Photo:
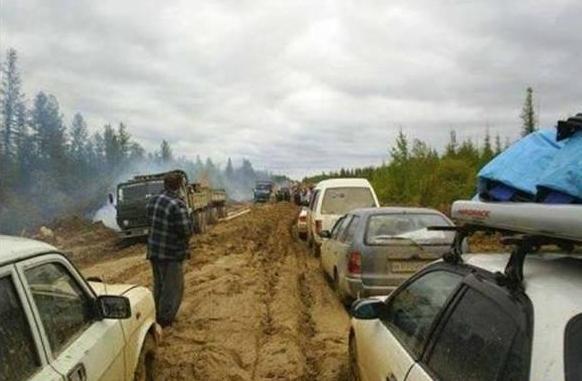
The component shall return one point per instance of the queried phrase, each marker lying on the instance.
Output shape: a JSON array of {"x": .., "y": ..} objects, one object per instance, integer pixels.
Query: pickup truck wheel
[
  {"x": 315, "y": 250},
  {"x": 146, "y": 365}
]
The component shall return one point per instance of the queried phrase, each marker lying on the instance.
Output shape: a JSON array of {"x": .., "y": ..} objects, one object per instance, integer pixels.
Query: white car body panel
[
  {"x": 552, "y": 283},
  {"x": 373, "y": 359},
  {"x": 108, "y": 349}
]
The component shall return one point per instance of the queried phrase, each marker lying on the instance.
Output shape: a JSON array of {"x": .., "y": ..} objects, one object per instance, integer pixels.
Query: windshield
[
  {"x": 264, "y": 187},
  {"x": 139, "y": 191},
  {"x": 385, "y": 227},
  {"x": 344, "y": 200}
]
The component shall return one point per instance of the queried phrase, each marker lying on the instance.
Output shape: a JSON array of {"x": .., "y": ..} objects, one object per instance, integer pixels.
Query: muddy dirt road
[{"x": 256, "y": 306}]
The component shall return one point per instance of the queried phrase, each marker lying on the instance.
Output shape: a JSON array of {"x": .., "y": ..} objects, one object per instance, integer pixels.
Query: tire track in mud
[{"x": 255, "y": 307}]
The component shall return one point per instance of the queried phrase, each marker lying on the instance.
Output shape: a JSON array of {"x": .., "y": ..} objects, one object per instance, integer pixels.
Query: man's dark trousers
[{"x": 168, "y": 289}]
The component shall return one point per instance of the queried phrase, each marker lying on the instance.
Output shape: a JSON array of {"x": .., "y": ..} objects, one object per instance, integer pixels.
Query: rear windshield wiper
[{"x": 399, "y": 238}]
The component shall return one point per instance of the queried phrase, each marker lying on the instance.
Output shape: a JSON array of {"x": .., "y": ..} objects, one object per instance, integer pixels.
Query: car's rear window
[
  {"x": 383, "y": 228},
  {"x": 573, "y": 349},
  {"x": 343, "y": 200}
]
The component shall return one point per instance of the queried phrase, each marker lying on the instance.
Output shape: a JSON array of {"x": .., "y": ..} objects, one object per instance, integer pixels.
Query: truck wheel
[
  {"x": 303, "y": 236},
  {"x": 315, "y": 250},
  {"x": 146, "y": 364}
]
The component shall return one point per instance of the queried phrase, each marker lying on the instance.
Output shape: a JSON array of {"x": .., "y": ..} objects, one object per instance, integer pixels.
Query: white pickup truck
[{"x": 56, "y": 325}]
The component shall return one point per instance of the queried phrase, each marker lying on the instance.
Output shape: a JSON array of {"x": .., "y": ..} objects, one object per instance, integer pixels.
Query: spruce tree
[
  {"x": 11, "y": 104},
  {"x": 528, "y": 115}
]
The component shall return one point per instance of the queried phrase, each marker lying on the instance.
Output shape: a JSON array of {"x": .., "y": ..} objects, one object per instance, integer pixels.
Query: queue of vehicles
[{"x": 480, "y": 317}]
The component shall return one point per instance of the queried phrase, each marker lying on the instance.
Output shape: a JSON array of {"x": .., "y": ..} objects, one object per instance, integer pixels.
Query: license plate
[{"x": 405, "y": 266}]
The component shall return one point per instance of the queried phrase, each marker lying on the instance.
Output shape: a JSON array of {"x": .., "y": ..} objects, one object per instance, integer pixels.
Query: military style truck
[
  {"x": 263, "y": 191},
  {"x": 205, "y": 205}
]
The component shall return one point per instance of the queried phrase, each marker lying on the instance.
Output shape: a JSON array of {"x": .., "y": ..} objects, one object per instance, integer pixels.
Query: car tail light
[
  {"x": 355, "y": 263},
  {"x": 318, "y": 226}
]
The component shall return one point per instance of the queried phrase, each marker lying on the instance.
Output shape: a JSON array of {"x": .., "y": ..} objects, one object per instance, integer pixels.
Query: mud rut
[{"x": 256, "y": 305}]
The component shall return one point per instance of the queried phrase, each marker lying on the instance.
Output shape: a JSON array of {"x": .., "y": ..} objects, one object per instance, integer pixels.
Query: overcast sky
[{"x": 299, "y": 86}]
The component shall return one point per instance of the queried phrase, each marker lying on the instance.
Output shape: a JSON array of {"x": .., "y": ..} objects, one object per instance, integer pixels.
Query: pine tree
[
  {"x": 11, "y": 103},
  {"x": 229, "y": 171},
  {"x": 166, "y": 155},
  {"x": 498, "y": 145},
  {"x": 453, "y": 145},
  {"x": 79, "y": 139},
  {"x": 399, "y": 153},
  {"x": 487, "y": 151},
  {"x": 528, "y": 115}
]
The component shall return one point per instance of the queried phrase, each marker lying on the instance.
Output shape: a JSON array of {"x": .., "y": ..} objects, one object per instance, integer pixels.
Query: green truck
[{"x": 205, "y": 205}]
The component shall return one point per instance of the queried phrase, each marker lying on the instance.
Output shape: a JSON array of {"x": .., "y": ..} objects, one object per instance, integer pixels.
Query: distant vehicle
[
  {"x": 263, "y": 191},
  {"x": 483, "y": 317},
  {"x": 56, "y": 325},
  {"x": 284, "y": 194},
  {"x": 372, "y": 251},
  {"x": 302, "y": 224},
  {"x": 204, "y": 205},
  {"x": 333, "y": 198}
]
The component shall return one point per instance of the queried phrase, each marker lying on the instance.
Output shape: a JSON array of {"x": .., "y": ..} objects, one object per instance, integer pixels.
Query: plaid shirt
[{"x": 170, "y": 227}]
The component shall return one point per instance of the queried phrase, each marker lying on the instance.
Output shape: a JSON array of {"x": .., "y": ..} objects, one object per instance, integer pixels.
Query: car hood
[{"x": 110, "y": 289}]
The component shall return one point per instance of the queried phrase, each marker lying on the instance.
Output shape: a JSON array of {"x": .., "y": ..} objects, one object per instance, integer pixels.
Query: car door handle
[
  {"x": 78, "y": 373},
  {"x": 391, "y": 377}
]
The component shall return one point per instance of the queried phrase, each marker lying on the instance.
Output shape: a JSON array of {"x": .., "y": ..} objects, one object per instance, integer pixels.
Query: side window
[
  {"x": 412, "y": 311},
  {"x": 314, "y": 199},
  {"x": 18, "y": 354},
  {"x": 338, "y": 226},
  {"x": 65, "y": 310},
  {"x": 480, "y": 342},
  {"x": 351, "y": 230},
  {"x": 573, "y": 349}
]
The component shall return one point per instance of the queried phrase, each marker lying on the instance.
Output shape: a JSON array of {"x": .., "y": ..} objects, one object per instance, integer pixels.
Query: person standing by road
[{"x": 168, "y": 247}]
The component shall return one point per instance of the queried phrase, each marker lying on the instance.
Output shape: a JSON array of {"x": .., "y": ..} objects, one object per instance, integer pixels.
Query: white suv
[
  {"x": 332, "y": 199},
  {"x": 467, "y": 321},
  {"x": 55, "y": 325}
]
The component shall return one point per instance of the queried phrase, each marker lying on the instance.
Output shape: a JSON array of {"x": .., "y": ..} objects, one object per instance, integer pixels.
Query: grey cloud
[{"x": 299, "y": 86}]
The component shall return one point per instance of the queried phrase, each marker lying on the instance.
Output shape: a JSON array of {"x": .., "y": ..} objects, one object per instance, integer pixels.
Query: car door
[
  {"x": 329, "y": 246},
  {"x": 78, "y": 344},
  {"x": 311, "y": 212},
  {"x": 485, "y": 336},
  {"x": 21, "y": 354},
  {"x": 389, "y": 347}
]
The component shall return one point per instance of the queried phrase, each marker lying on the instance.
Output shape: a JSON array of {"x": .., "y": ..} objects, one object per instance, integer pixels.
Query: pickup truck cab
[
  {"x": 56, "y": 325},
  {"x": 332, "y": 199}
]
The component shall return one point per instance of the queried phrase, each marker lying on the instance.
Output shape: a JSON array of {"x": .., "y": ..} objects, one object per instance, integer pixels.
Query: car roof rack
[{"x": 525, "y": 226}]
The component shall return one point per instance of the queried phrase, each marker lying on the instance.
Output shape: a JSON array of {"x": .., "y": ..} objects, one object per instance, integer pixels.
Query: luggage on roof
[
  {"x": 545, "y": 166},
  {"x": 561, "y": 182},
  {"x": 513, "y": 175}
]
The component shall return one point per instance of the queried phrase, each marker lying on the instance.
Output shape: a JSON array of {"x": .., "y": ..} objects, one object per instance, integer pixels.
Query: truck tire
[{"x": 146, "y": 364}]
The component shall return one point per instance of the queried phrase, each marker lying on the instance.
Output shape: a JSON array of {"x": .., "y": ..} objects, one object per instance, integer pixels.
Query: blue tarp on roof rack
[
  {"x": 561, "y": 182},
  {"x": 515, "y": 173}
]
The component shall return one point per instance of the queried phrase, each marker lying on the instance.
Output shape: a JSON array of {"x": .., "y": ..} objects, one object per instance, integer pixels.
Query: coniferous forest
[{"x": 52, "y": 164}]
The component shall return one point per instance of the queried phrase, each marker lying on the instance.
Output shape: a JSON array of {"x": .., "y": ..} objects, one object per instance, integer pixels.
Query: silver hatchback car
[{"x": 372, "y": 251}]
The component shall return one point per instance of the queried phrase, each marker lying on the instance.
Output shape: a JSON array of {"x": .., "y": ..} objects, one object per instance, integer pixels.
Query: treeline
[
  {"x": 50, "y": 166},
  {"x": 416, "y": 174}
]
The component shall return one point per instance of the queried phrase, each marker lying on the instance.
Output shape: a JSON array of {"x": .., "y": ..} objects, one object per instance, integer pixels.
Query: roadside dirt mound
[{"x": 256, "y": 306}]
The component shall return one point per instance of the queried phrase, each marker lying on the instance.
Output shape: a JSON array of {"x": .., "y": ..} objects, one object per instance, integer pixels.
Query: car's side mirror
[
  {"x": 111, "y": 199},
  {"x": 367, "y": 309},
  {"x": 113, "y": 307},
  {"x": 305, "y": 203},
  {"x": 325, "y": 234}
]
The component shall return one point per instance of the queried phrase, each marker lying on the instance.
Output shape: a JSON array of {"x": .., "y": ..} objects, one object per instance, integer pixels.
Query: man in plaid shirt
[{"x": 168, "y": 246}]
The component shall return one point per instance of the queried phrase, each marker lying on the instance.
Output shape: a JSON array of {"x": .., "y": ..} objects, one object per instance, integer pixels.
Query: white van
[{"x": 332, "y": 199}]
